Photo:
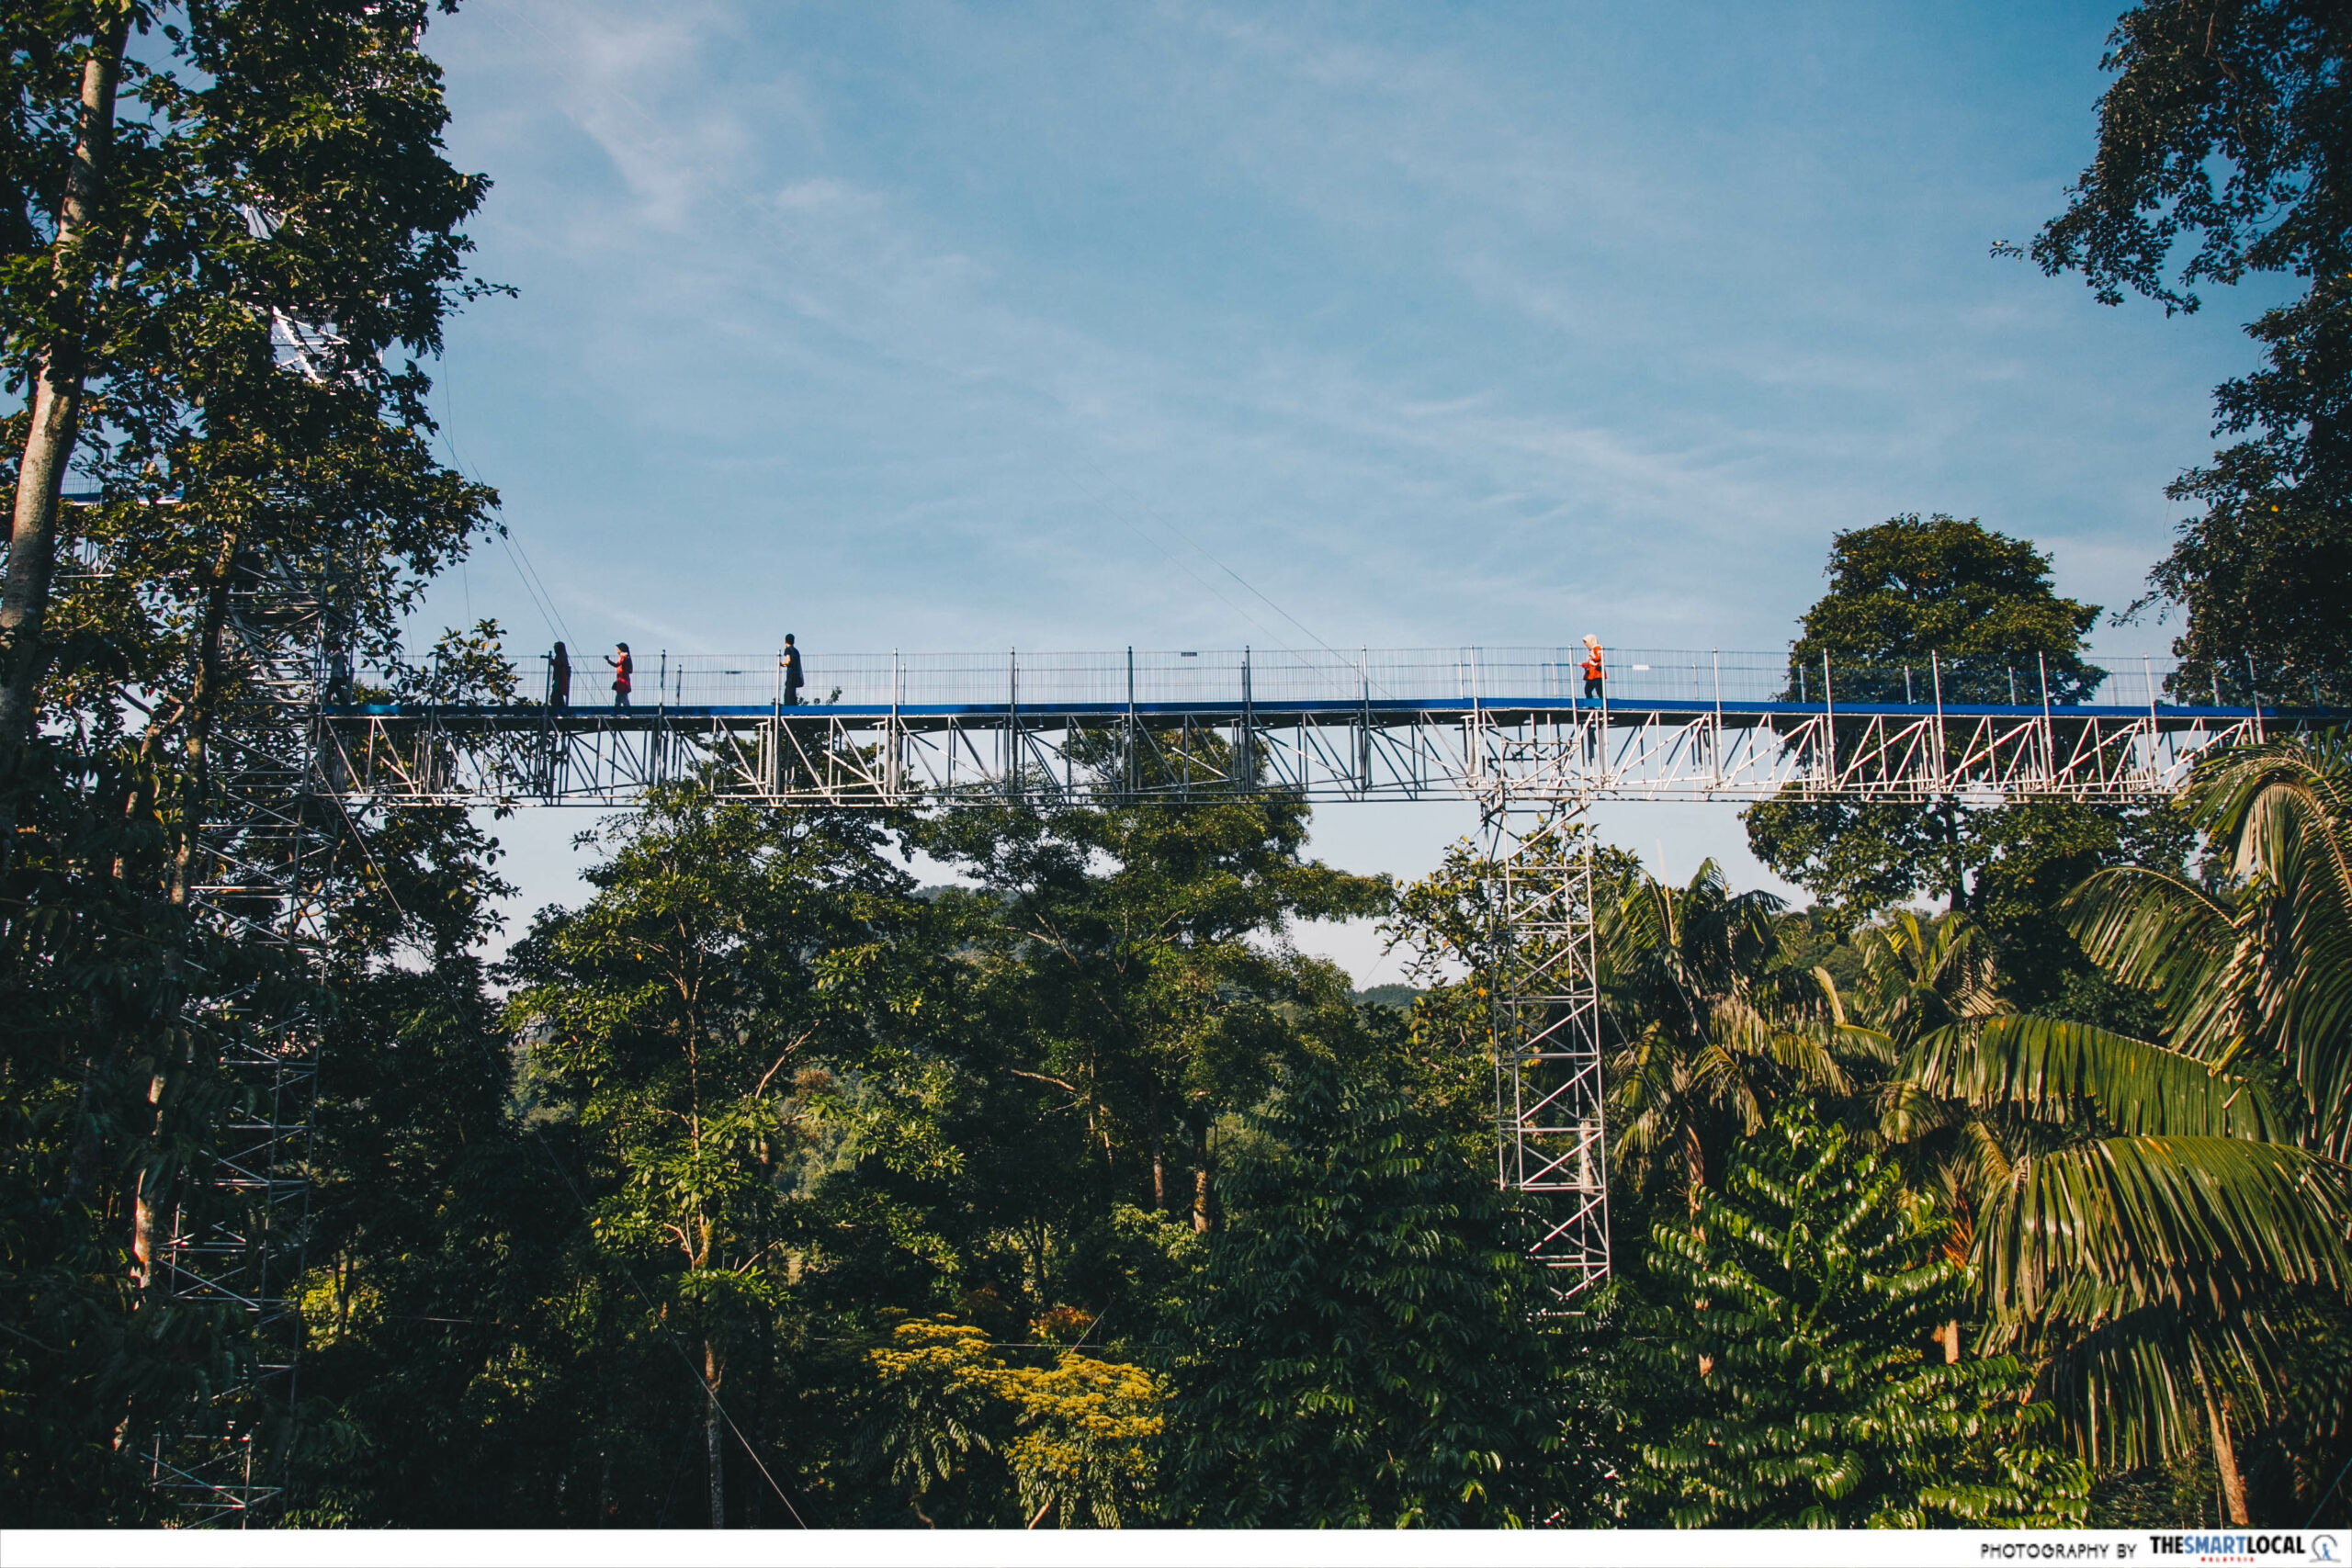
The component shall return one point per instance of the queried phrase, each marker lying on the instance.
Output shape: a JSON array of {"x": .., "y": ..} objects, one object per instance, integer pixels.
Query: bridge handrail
[{"x": 1276, "y": 676}]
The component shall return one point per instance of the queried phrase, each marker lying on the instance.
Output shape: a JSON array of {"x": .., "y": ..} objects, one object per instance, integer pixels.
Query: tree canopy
[{"x": 2222, "y": 155}]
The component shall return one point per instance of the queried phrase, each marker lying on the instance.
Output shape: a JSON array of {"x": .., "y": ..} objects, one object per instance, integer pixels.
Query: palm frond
[
  {"x": 2144, "y": 1219},
  {"x": 2132, "y": 1389},
  {"x": 2051, "y": 1070},
  {"x": 2165, "y": 935}
]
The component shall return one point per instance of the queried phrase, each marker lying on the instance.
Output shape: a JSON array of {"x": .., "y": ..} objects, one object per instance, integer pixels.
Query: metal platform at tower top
[{"x": 1494, "y": 725}]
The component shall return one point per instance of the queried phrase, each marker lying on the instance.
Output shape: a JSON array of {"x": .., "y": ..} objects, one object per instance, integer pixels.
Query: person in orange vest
[{"x": 1595, "y": 673}]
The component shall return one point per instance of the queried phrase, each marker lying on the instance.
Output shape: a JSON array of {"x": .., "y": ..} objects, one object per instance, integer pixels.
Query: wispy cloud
[{"x": 998, "y": 327}]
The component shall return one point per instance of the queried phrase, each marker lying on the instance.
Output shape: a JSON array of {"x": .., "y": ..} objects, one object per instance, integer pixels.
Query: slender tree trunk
[
  {"x": 56, "y": 396},
  {"x": 1158, "y": 1158},
  {"x": 1201, "y": 1200},
  {"x": 714, "y": 1450},
  {"x": 2225, "y": 1459},
  {"x": 146, "y": 1204},
  {"x": 1950, "y": 1338},
  {"x": 204, "y": 693}
]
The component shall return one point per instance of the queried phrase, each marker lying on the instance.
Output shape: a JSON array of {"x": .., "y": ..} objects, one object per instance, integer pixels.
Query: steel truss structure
[
  {"x": 1543, "y": 978},
  {"x": 262, "y": 852},
  {"x": 1553, "y": 752}
]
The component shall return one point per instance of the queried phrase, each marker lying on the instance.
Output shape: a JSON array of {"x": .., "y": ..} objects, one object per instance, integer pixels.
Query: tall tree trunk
[
  {"x": 56, "y": 395},
  {"x": 1950, "y": 817},
  {"x": 204, "y": 695},
  {"x": 714, "y": 1450},
  {"x": 147, "y": 1202},
  {"x": 1159, "y": 1157},
  {"x": 1201, "y": 1200},
  {"x": 2225, "y": 1459}
]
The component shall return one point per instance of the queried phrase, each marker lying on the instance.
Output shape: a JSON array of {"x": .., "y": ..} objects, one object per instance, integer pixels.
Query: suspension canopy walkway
[
  {"x": 1491, "y": 725},
  {"x": 1516, "y": 730}
]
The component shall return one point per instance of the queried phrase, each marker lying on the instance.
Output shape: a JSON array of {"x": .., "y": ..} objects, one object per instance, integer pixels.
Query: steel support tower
[
  {"x": 262, "y": 848},
  {"x": 1543, "y": 980}
]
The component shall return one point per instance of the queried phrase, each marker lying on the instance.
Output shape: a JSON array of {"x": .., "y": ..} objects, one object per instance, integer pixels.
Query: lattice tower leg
[
  {"x": 1544, "y": 982},
  {"x": 237, "y": 1237}
]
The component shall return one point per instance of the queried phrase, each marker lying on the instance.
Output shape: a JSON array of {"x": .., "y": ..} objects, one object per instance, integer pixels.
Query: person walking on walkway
[
  {"x": 559, "y": 679},
  {"x": 1596, "y": 673},
  {"x": 790, "y": 665},
  {"x": 619, "y": 659}
]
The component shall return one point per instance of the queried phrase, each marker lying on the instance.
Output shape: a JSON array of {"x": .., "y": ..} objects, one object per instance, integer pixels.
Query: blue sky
[{"x": 952, "y": 328}]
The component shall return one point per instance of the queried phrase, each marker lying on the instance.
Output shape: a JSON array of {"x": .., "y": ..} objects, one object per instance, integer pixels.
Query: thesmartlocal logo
[{"x": 2247, "y": 1546}]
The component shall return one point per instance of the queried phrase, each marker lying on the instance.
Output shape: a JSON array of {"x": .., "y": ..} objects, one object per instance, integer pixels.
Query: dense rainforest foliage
[
  {"x": 777, "y": 1185},
  {"x": 1071, "y": 1193}
]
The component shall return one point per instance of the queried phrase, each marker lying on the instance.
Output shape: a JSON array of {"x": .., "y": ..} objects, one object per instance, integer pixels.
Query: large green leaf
[
  {"x": 2054, "y": 1071},
  {"x": 2121, "y": 1222},
  {"x": 2266, "y": 961}
]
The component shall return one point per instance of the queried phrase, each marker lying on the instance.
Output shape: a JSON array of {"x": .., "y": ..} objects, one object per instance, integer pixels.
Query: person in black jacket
[
  {"x": 558, "y": 679},
  {"x": 790, "y": 665}
]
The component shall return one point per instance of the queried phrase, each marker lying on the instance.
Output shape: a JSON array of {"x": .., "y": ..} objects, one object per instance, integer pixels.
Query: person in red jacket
[
  {"x": 618, "y": 658},
  {"x": 1595, "y": 672}
]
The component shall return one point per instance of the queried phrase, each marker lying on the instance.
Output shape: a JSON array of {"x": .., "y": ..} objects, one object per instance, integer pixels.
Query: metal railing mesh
[{"x": 1021, "y": 678}]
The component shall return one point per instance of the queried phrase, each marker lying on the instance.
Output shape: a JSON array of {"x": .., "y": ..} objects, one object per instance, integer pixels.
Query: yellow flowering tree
[{"x": 1081, "y": 1438}]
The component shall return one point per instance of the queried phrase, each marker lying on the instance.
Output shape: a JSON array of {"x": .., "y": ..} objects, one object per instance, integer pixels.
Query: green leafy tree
[
  {"x": 1148, "y": 945},
  {"x": 1914, "y": 603},
  {"x": 2222, "y": 136},
  {"x": 1708, "y": 1032},
  {"x": 186, "y": 203},
  {"x": 1921, "y": 604},
  {"x": 1935, "y": 599},
  {"x": 1360, "y": 1352},
  {"x": 2248, "y": 969},
  {"x": 1783, "y": 1362},
  {"x": 724, "y": 944},
  {"x": 2138, "y": 1224}
]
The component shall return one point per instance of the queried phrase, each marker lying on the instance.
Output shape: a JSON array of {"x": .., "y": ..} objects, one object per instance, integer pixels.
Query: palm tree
[
  {"x": 1920, "y": 973},
  {"x": 2138, "y": 1224},
  {"x": 1707, "y": 1031},
  {"x": 2256, "y": 966},
  {"x": 2148, "y": 1217}
]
